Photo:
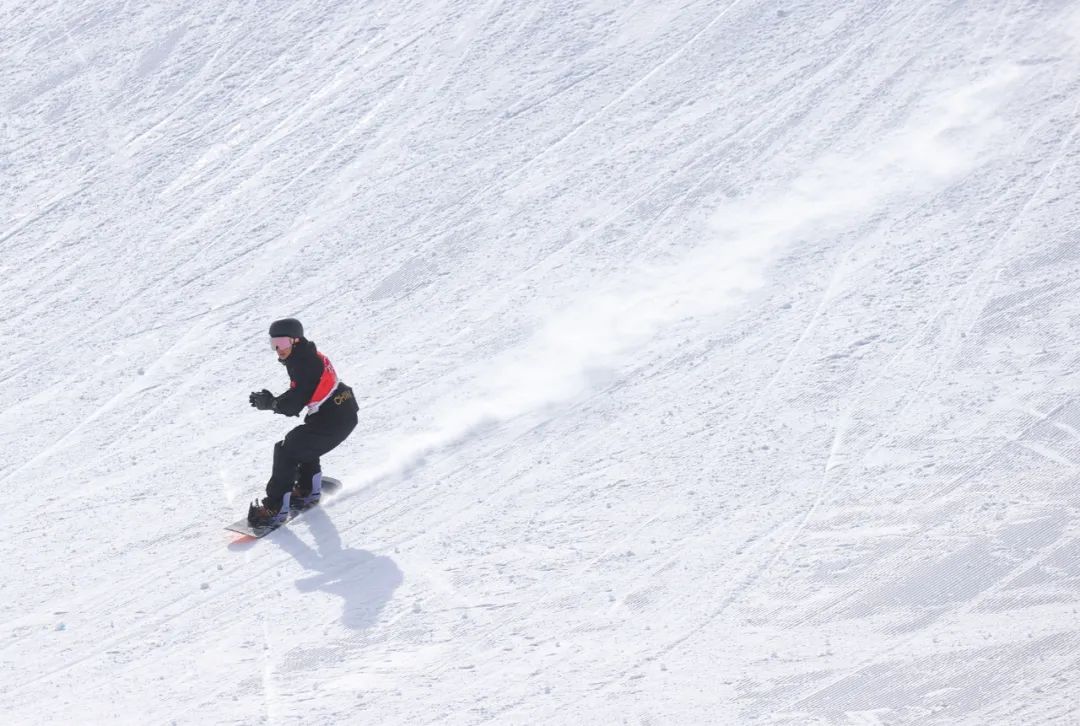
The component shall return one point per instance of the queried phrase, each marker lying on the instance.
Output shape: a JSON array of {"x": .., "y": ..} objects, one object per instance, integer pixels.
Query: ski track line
[
  {"x": 656, "y": 221},
  {"x": 755, "y": 577},
  {"x": 376, "y": 514},
  {"x": 922, "y": 330},
  {"x": 101, "y": 600},
  {"x": 986, "y": 264},
  {"x": 488, "y": 632},
  {"x": 252, "y": 80},
  {"x": 707, "y": 140},
  {"x": 194, "y": 317},
  {"x": 774, "y": 558},
  {"x": 681, "y": 543},
  {"x": 153, "y": 285},
  {"x": 746, "y": 584},
  {"x": 547, "y": 260},
  {"x": 461, "y": 202},
  {"x": 820, "y": 309},
  {"x": 1054, "y": 289},
  {"x": 620, "y": 678},
  {"x": 432, "y": 237},
  {"x": 111, "y": 132},
  {"x": 403, "y": 476},
  {"x": 1048, "y": 452},
  {"x": 918, "y": 332},
  {"x": 638, "y": 83},
  {"x": 826, "y": 296},
  {"x": 197, "y": 255},
  {"x": 943, "y": 496},
  {"x": 405, "y": 538},
  {"x": 270, "y": 694},
  {"x": 401, "y": 502},
  {"x": 954, "y": 615},
  {"x": 13, "y": 14},
  {"x": 824, "y": 490},
  {"x": 104, "y": 408},
  {"x": 858, "y": 444},
  {"x": 890, "y": 364},
  {"x": 200, "y": 81},
  {"x": 399, "y": 478},
  {"x": 92, "y": 175},
  {"x": 627, "y": 92},
  {"x": 505, "y": 117},
  {"x": 984, "y": 269},
  {"x": 58, "y": 443},
  {"x": 887, "y": 565},
  {"x": 154, "y": 622},
  {"x": 368, "y": 66},
  {"x": 54, "y": 298},
  {"x": 678, "y": 545},
  {"x": 22, "y": 224},
  {"x": 281, "y": 242},
  {"x": 300, "y": 116},
  {"x": 447, "y": 71}
]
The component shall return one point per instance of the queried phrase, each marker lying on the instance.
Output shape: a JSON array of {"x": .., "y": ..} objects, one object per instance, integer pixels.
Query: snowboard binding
[{"x": 259, "y": 515}]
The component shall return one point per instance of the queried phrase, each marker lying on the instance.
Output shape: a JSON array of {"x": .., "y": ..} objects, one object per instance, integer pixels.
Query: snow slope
[{"x": 715, "y": 360}]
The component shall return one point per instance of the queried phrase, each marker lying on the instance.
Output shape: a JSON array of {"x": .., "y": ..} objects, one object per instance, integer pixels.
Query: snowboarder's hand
[{"x": 262, "y": 400}]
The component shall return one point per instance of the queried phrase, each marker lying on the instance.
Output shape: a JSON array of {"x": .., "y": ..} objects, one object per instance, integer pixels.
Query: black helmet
[{"x": 286, "y": 328}]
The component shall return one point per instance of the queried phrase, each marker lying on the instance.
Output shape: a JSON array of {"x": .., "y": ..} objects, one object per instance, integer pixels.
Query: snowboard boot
[
  {"x": 261, "y": 515},
  {"x": 307, "y": 492}
]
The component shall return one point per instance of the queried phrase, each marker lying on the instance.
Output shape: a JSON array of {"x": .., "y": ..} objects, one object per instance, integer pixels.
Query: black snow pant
[{"x": 297, "y": 455}]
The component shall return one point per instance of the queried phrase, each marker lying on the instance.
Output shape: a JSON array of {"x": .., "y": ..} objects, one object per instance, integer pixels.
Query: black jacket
[{"x": 306, "y": 368}]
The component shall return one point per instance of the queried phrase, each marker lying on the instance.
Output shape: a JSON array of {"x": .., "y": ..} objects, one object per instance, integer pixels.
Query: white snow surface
[{"x": 717, "y": 361}]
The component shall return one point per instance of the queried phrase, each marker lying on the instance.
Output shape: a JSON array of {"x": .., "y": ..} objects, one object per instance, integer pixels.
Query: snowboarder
[{"x": 296, "y": 477}]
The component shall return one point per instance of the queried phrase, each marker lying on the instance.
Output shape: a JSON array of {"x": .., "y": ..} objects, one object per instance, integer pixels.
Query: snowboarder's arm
[{"x": 292, "y": 402}]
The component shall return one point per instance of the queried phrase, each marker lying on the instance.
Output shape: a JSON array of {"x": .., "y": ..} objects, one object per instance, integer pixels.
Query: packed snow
[{"x": 716, "y": 361}]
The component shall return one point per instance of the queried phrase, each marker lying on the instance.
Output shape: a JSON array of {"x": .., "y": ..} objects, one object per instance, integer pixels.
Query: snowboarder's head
[{"x": 284, "y": 334}]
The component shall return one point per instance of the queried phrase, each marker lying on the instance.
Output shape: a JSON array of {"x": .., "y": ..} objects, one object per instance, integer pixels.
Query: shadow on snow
[{"x": 363, "y": 580}]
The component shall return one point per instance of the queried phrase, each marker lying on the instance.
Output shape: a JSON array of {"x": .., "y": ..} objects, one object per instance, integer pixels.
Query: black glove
[{"x": 262, "y": 400}]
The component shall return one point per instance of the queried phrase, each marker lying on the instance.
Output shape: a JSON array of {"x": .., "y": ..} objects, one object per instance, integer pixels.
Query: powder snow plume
[{"x": 601, "y": 330}]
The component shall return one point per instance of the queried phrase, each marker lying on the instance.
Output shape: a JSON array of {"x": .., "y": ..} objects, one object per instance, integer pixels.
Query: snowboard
[{"x": 329, "y": 487}]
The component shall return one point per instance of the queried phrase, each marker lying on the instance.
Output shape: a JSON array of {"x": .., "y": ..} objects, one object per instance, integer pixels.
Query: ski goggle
[{"x": 280, "y": 344}]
